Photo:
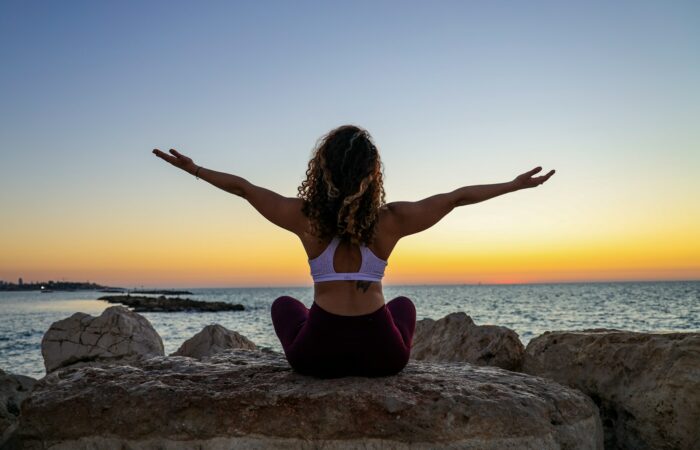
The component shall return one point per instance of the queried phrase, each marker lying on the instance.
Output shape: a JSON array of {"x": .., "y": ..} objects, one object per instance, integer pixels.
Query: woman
[{"x": 348, "y": 232}]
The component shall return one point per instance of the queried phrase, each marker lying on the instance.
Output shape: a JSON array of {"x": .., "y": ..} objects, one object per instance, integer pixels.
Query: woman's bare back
[{"x": 350, "y": 297}]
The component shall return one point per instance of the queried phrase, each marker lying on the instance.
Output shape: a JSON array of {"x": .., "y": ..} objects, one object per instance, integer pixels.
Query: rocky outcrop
[
  {"x": 647, "y": 386},
  {"x": 13, "y": 389},
  {"x": 213, "y": 339},
  {"x": 160, "y": 291},
  {"x": 456, "y": 337},
  {"x": 141, "y": 303},
  {"x": 251, "y": 399},
  {"x": 81, "y": 339}
]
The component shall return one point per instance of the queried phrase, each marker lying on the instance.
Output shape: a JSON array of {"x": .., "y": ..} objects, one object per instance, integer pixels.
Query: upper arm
[
  {"x": 404, "y": 218},
  {"x": 284, "y": 212}
]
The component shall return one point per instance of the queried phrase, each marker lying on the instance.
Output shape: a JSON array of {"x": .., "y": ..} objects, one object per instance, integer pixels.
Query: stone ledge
[
  {"x": 252, "y": 399},
  {"x": 267, "y": 443}
]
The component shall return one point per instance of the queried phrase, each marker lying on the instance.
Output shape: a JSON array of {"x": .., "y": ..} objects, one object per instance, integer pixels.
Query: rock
[
  {"x": 162, "y": 303},
  {"x": 253, "y": 400},
  {"x": 646, "y": 385},
  {"x": 456, "y": 337},
  {"x": 116, "y": 334},
  {"x": 13, "y": 389},
  {"x": 160, "y": 291},
  {"x": 213, "y": 339}
]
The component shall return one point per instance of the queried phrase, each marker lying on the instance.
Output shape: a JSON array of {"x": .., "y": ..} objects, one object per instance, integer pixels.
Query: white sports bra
[{"x": 371, "y": 269}]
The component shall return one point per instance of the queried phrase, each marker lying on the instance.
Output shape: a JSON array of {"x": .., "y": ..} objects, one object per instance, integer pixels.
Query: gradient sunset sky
[{"x": 453, "y": 93}]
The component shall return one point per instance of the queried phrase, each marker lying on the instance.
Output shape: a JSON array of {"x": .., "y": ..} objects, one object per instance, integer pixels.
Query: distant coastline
[
  {"x": 68, "y": 286},
  {"x": 52, "y": 286}
]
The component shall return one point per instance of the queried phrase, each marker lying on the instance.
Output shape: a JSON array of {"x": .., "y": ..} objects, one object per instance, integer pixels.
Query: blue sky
[{"x": 454, "y": 93}]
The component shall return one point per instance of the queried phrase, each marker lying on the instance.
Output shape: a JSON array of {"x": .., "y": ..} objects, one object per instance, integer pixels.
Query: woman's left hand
[
  {"x": 526, "y": 180},
  {"x": 179, "y": 160}
]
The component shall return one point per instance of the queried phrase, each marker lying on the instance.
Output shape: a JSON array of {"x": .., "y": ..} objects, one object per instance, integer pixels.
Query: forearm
[
  {"x": 226, "y": 181},
  {"x": 474, "y": 194}
]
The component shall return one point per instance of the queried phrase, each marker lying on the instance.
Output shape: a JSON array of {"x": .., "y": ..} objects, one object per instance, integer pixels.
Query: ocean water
[{"x": 529, "y": 309}]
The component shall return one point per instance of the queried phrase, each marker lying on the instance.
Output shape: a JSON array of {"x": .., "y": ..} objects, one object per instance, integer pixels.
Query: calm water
[{"x": 528, "y": 309}]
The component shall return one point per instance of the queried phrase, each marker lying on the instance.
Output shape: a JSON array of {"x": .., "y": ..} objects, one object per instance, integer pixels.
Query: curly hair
[{"x": 343, "y": 190}]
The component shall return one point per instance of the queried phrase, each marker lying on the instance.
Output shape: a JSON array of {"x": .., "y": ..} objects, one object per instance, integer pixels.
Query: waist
[
  {"x": 318, "y": 314},
  {"x": 349, "y": 298}
]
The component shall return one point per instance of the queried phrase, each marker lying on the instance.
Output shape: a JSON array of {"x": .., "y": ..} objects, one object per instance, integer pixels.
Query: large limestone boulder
[
  {"x": 13, "y": 389},
  {"x": 646, "y": 385},
  {"x": 213, "y": 339},
  {"x": 81, "y": 339},
  {"x": 253, "y": 400},
  {"x": 456, "y": 337}
]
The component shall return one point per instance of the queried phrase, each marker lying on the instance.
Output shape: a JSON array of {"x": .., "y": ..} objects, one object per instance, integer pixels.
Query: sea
[{"x": 528, "y": 309}]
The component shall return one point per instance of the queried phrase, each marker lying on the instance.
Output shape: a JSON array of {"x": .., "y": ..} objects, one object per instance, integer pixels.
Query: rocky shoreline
[
  {"x": 467, "y": 386},
  {"x": 141, "y": 303}
]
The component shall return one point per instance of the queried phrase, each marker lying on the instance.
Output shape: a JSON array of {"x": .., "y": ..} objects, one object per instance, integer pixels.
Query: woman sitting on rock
[{"x": 348, "y": 232}]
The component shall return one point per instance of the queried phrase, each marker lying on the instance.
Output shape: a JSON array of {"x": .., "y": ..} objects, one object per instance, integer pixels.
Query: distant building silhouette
[{"x": 20, "y": 281}]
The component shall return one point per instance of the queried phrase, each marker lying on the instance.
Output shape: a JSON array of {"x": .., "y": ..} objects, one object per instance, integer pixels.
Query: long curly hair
[{"x": 343, "y": 190}]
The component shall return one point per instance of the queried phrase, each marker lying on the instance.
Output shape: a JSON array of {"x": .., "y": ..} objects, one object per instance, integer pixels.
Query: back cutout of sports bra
[{"x": 371, "y": 269}]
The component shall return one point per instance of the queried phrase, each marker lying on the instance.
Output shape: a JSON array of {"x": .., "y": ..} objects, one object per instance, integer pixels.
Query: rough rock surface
[
  {"x": 116, "y": 334},
  {"x": 13, "y": 389},
  {"x": 253, "y": 400},
  {"x": 213, "y": 339},
  {"x": 647, "y": 385},
  {"x": 142, "y": 303},
  {"x": 456, "y": 337}
]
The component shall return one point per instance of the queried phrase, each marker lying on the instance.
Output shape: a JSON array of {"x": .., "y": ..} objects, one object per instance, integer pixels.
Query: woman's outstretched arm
[
  {"x": 284, "y": 212},
  {"x": 405, "y": 218}
]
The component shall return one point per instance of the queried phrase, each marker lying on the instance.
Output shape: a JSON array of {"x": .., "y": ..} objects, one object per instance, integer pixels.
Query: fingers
[
  {"x": 534, "y": 171},
  {"x": 539, "y": 179},
  {"x": 164, "y": 156},
  {"x": 544, "y": 178},
  {"x": 182, "y": 158}
]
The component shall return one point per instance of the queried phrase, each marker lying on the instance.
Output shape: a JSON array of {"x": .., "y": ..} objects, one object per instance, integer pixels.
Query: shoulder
[
  {"x": 387, "y": 213},
  {"x": 386, "y": 226}
]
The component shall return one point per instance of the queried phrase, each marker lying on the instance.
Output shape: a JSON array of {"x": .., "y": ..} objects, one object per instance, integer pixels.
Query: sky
[{"x": 453, "y": 94}]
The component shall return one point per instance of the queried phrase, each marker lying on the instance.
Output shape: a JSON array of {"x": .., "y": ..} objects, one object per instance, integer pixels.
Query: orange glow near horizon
[
  {"x": 571, "y": 230},
  {"x": 273, "y": 257}
]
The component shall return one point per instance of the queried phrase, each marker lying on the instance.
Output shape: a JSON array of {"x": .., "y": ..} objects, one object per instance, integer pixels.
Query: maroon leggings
[{"x": 319, "y": 343}]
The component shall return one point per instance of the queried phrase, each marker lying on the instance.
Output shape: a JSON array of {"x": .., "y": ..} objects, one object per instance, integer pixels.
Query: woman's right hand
[{"x": 179, "y": 160}]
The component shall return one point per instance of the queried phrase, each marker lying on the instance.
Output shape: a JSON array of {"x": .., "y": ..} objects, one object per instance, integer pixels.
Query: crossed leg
[
  {"x": 404, "y": 314},
  {"x": 288, "y": 316}
]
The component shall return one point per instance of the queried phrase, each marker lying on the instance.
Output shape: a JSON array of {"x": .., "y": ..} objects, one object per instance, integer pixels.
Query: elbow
[
  {"x": 466, "y": 201},
  {"x": 462, "y": 199},
  {"x": 241, "y": 189}
]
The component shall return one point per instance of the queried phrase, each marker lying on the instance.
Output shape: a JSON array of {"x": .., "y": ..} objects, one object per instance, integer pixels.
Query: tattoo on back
[{"x": 364, "y": 285}]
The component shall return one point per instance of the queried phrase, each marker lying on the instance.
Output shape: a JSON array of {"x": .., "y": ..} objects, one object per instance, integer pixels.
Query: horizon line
[
  {"x": 431, "y": 284},
  {"x": 295, "y": 286},
  {"x": 458, "y": 284}
]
